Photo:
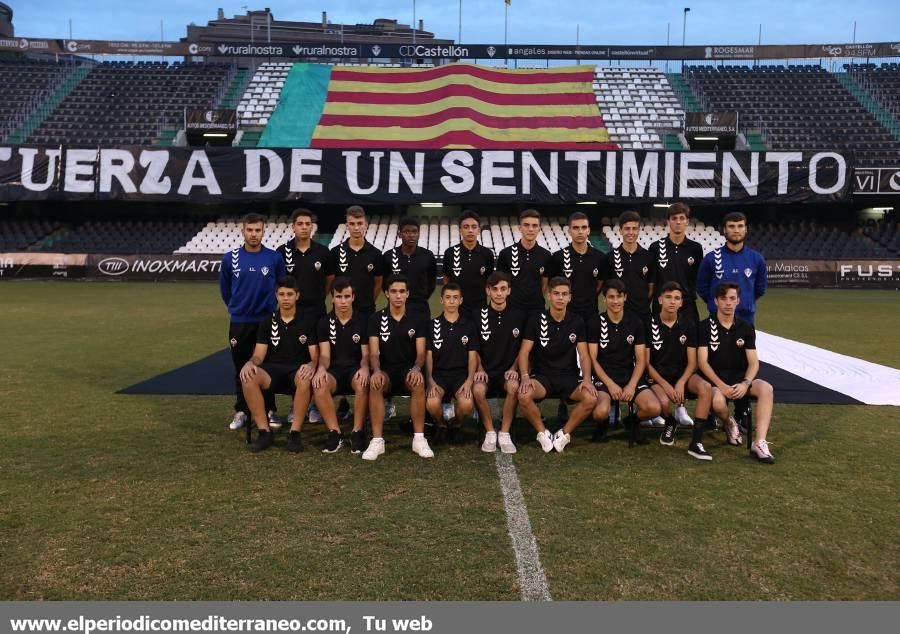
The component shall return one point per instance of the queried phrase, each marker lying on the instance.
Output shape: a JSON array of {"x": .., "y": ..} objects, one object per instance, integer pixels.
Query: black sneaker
[
  {"x": 668, "y": 435},
  {"x": 357, "y": 442},
  {"x": 600, "y": 432},
  {"x": 295, "y": 442},
  {"x": 697, "y": 451},
  {"x": 263, "y": 440},
  {"x": 334, "y": 443}
]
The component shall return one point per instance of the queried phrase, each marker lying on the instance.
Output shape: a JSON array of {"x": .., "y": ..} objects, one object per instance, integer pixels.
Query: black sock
[{"x": 697, "y": 432}]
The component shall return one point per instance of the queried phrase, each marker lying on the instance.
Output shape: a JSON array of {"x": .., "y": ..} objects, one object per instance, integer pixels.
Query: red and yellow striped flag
[{"x": 461, "y": 106}]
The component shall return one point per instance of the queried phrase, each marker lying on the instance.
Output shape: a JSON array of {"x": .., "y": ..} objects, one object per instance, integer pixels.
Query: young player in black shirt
[
  {"x": 672, "y": 365},
  {"x": 306, "y": 261},
  {"x": 631, "y": 263},
  {"x": 553, "y": 347},
  {"x": 396, "y": 360},
  {"x": 284, "y": 360},
  {"x": 500, "y": 330},
  {"x": 451, "y": 359},
  {"x": 584, "y": 266},
  {"x": 359, "y": 260},
  {"x": 343, "y": 365},
  {"x": 677, "y": 258},
  {"x": 526, "y": 261},
  {"x": 416, "y": 264},
  {"x": 619, "y": 358},
  {"x": 469, "y": 264},
  {"x": 727, "y": 357}
]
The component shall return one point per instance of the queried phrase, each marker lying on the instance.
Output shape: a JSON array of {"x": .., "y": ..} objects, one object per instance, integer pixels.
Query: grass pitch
[{"x": 144, "y": 497}]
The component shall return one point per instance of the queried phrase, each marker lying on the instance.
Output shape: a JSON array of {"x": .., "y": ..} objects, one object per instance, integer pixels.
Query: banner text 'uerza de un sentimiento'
[{"x": 216, "y": 175}]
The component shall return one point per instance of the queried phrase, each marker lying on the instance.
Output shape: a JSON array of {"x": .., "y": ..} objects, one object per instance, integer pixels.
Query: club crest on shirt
[
  {"x": 644, "y": 270},
  {"x": 302, "y": 338},
  {"x": 682, "y": 339},
  {"x": 356, "y": 338},
  {"x": 691, "y": 260},
  {"x": 465, "y": 340},
  {"x": 541, "y": 271},
  {"x": 264, "y": 270},
  {"x": 370, "y": 267},
  {"x": 411, "y": 332},
  {"x": 317, "y": 266},
  {"x": 515, "y": 333},
  {"x": 482, "y": 270},
  {"x": 630, "y": 339},
  {"x": 596, "y": 272},
  {"x": 748, "y": 272},
  {"x": 572, "y": 337},
  {"x": 739, "y": 343},
  {"x": 233, "y": 342}
]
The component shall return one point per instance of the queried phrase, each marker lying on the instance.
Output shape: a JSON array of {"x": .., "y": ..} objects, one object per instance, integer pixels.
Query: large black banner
[
  {"x": 431, "y": 50},
  {"x": 215, "y": 175}
]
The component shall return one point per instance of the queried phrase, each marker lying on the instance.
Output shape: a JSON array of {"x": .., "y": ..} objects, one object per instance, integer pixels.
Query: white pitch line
[{"x": 532, "y": 580}]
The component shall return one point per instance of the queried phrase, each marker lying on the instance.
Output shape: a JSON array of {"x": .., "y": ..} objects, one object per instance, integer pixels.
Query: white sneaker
[
  {"x": 375, "y": 449},
  {"x": 420, "y": 446},
  {"x": 290, "y": 418},
  {"x": 732, "y": 433},
  {"x": 658, "y": 421},
  {"x": 390, "y": 410},
  {"x": 546, "y": 440},
  {"x": 490, "y": 442},
  {"x": 560, "y": 440},
  {"x": 646, "y": 423},
  {"x": 275, "y": 420},
  {"x": 682, "y": 416},
  {"x": 760, "y": 449},
  {"x": 448, "y": 411},
  {"x": 314, "y": 416},
  {"x": 505, "y": 442},
  {"x": 239, "y": 420}
]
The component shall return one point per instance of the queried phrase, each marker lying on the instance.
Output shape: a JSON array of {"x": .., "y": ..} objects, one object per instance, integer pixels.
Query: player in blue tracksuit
[
  {"x": 247, "y": 282},
  {"x": 737, "y": 263}
]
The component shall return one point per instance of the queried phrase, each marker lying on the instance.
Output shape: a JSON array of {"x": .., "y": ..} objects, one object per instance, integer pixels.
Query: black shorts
[
  {"x": 672, "y": 380},
  {"x": 558, "y": 385},
  {"x": 496, "y": 386},
  {"x": 642, "y": 385},
  {"x": 344, "y": 378},
  {"x": 282, "y": 375},
  {"x": 398, "y": 381},
  {"x": 450, "y": 382}
]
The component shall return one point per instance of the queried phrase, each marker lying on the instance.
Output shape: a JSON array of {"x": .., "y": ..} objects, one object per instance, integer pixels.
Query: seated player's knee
[
  {"x": 763, "y": 389},
  {"x": 601, "y": 409},
  {"x": 703, "y": 388},
  {"x": 464, "y": 406},
  {"x": 650, "y": 408},
  {"x": 479, "y": 391},
  {"x": 512, "y": 388}
]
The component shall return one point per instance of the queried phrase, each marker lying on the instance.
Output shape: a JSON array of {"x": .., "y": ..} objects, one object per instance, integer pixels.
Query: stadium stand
[
  {"x": 809, "y": 241},
  {"x": 26, "y": 84},
  {"x": 796, "y": 108},
  {"x": 121, "y": 237},
  {"x": 262, "y": 94},
  {"x": 639, "y": 106},
  {"x": 653, "y": 230},
  {"x": 225, "y": 234},
  {"x": 125, "y": 103},
  {"x": 882, "y": 86},
  {"x": 19, "y": 235}
]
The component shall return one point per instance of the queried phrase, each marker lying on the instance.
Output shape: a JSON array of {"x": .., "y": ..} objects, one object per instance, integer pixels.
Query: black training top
[
  {"x": 583, "y": 271},
  {"x": 309, "y": 268},
  {"x": 397, "y": 338},
  {"x": 419, "y": 268},
  {"x": 555, "y": 348},
  {"x": 470, "y": 269},
  {"x": 669, "y": 346},
  {"x": 500, "y": 334},
  {"x": 636, "y": 272},
  {"x": 288, "y": 342},
  {"x": 346, "y": 339},
  {"x": 361, "y": 267},
  {"x": 676, "y": 263},
  {"x": 615, "y": 344},
  {"x": 727, "y": 354},
  {"x": 526, "y": 267},
  {"x": 450, "y": 343}
]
